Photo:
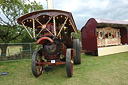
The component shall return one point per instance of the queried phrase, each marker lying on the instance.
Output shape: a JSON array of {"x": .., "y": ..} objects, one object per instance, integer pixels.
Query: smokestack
[{"x": 49, "y": 4}]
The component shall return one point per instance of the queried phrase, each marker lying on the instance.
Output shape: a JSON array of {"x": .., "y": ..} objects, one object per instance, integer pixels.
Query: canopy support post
[
  {"x": 73, "y": 26},
  {"x": 27, "y": 31},
  {"x": 62, "y": 26},
  {"x": 34, "y": 35},
  {"x": 54, "y": 22}
]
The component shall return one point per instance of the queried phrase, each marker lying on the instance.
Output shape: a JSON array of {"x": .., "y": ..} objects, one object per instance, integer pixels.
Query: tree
[
  {"x": 78, "y": 35},
  {"x": 11, "y": 10}
]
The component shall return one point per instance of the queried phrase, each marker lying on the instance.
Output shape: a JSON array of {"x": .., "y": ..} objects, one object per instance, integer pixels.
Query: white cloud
[
  {"x": 96, "y": 4},
  {"x": 71, "y": 6},
  {"x": 126, "y": 20},
  {"x": 82, "y": 10}
]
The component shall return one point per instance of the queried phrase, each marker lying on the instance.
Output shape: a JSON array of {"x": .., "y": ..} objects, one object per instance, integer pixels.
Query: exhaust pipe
[{"x": 49, "y": 4}]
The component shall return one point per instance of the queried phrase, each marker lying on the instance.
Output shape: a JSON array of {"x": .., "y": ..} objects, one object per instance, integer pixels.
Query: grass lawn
[{"x": 105, "y": 70}]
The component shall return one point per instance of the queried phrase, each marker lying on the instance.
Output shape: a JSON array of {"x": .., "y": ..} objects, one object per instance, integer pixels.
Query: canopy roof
[{"x": 44, "y": 15}]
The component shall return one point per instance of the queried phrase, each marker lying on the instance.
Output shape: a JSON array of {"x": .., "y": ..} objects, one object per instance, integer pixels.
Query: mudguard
[{"x": 42, "y": 40}]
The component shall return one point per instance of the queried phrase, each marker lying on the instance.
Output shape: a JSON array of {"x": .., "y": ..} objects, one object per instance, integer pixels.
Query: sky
[{"x": 83, "y": 10}]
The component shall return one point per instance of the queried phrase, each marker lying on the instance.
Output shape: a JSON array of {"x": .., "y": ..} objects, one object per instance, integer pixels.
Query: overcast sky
[{"x": 83, "y": 10}]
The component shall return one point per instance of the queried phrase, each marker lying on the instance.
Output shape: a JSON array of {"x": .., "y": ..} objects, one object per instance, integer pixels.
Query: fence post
[
  {"x": 8, "y": 52},
  {"x": 20, "y": 53}
]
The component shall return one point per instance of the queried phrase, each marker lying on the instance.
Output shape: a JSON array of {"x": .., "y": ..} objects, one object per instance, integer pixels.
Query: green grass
[{"x": 105, "y": 70}]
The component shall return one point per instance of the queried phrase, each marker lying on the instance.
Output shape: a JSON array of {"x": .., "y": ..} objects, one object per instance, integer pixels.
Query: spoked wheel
[
  {"x": 37, "y": 69},
  {"x": 69, "y": 63},
  {"x": 76, "y": 46}
]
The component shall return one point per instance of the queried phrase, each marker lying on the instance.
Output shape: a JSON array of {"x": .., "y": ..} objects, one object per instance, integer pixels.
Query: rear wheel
[
  {"x": 76, "y": 46},
  {"x": 69, "y": 63},
  {"x": 37, "y": 69}
]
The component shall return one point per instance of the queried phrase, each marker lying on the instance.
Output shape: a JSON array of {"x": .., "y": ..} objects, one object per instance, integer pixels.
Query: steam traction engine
[{"x": 53, "y": 30}]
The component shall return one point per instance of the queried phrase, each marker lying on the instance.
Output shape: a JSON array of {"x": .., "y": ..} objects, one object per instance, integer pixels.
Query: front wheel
[{"x": 37, "y": 69}]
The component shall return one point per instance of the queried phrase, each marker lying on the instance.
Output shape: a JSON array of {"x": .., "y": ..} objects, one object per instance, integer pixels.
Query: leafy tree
[
  {"x": 78, "y": 35},
  {"x": 11, "y": 10}
]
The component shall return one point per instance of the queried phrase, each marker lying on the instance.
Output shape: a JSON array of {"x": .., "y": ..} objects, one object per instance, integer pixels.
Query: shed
[{"x": 102, "y": 37}]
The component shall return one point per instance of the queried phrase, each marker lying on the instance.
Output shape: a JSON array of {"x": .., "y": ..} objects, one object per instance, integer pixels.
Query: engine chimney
[{"x": 49, "y": 4}]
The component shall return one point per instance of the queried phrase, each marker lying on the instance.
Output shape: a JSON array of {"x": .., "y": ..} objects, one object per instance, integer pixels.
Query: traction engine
[{"x": 53, "y": 30}]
